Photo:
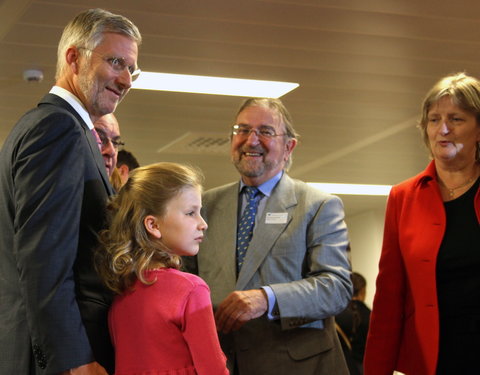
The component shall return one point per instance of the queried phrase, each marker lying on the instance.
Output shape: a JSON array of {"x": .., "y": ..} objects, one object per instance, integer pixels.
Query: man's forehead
[
  {"x": 108, "y": 125},
  {"x": 119, "y": 44},
  {"x": 266, "y": 115}
]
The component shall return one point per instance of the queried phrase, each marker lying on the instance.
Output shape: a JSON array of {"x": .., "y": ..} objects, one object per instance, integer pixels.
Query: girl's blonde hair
[
  {"x": 126, "y": 249},
  {"x": 116, "y": 179}
]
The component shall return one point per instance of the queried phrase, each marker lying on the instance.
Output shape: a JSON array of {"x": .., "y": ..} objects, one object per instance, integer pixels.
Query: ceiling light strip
[{"x": 212, "y": 85}]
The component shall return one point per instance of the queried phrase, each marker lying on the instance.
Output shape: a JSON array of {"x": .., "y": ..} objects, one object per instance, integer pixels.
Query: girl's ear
[{"x": 151, "y": 225}]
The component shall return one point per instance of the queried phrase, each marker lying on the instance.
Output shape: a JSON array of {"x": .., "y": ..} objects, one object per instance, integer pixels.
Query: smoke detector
[{"x": 33, "y": 75}]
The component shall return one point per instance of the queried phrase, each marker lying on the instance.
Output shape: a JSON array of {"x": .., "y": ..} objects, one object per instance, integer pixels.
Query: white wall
[{"x": 366, "y": 236}]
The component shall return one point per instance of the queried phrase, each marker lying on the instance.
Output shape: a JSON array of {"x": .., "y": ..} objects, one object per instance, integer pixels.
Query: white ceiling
[{"x": 363, "y": 68}]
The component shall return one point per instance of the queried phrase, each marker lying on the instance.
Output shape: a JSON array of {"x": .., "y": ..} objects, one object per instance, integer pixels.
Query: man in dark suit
[
  {"x": 274, "y": 307},
  {"x": 53, "y": 307}
]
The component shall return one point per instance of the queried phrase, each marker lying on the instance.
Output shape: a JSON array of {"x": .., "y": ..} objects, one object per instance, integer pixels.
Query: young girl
[{"x": 161, "y": 320}]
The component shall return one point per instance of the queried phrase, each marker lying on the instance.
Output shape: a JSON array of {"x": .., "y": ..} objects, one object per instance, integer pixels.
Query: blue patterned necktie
[{"x": 245, "y": 227}]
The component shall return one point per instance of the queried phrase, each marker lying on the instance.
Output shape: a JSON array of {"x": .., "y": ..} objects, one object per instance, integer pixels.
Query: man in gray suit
[
  {"x": 274, "y": 309},
  {"x": 54, "y": 186}
]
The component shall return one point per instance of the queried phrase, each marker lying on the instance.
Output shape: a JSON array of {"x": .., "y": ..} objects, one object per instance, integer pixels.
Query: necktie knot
[{"x": 251, "y": 192}]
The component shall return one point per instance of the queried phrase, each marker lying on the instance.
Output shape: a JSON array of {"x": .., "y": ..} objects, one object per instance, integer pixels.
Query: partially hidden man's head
[
  {"x": 109, "y": 133},
  {"x": 126, "y": 162}
]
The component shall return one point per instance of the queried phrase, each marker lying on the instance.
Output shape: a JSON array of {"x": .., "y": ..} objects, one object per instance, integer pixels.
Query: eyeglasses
[
  {"x": 264, "y": 132},
  {"x": 118, "y": 64},
  {"x": 106, "y": 140}
]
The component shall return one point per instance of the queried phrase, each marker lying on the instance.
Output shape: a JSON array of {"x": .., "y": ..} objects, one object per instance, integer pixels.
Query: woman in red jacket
[{"x": 426, "y": 311}]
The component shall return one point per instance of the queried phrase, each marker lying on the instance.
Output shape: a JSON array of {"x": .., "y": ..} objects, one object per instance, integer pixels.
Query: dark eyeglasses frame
[
  {"x": 106, "y": 140},
  {"x": 265, "y": 132}
]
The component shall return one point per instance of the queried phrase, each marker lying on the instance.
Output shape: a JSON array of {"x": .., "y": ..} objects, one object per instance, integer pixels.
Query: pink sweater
[{"x": 166, "y": 328}]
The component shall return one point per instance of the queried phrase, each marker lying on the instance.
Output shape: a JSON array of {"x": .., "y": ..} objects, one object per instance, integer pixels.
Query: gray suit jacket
[
  {"x": 53, "y": 307},
  {"x": 303, "y": 260}
]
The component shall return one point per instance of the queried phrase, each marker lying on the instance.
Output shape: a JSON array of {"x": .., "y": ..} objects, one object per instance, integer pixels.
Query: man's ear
[
  {"x": 71, "y": 56},
  {"x": 151, "y": 225},
  {"x": 123, "y": 169},
  {"x": 289, "y": 146}
]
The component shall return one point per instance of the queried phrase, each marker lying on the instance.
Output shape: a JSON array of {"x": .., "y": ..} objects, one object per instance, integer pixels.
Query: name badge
[{"x": 276, "y": 218}]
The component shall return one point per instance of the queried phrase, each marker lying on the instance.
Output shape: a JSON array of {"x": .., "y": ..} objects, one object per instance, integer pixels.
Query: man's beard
[
  {"x": 88, "y": 85},
  {"x": 252, "y": 168}
]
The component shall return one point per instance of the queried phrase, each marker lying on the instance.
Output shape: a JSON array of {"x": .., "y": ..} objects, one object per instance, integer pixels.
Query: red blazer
[{"x": 404, "y": 326}]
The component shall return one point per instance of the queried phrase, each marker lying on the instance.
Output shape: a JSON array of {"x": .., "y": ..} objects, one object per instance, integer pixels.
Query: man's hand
[
  {"x": 89, "y": 369},
  {"x": 239, "y": 307}
]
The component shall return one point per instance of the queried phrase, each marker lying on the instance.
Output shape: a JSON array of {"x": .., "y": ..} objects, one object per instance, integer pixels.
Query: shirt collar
[
  {"x": 74, "y": 102},
  {"x": 267, "y": 187}
]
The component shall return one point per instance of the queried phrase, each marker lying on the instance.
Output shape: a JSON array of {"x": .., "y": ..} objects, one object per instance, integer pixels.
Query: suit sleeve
[
  {"x": 324, "y": 288},
  {"x": 386, "y": 321},
  {"x": 201, "y": 335},
  {"x": 48, "y": 177}
]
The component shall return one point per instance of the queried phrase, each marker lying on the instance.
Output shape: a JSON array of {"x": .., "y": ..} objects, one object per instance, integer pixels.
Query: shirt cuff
[{"x": 272, "y": 312}]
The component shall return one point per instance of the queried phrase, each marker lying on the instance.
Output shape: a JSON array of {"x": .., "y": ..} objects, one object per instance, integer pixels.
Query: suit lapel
[
  {"x": 59, "y": 102},
  {"x": 226, "y": 226},
  {"x": 282, "y": 200},
  {"x": 92, "y": 142},
  {"x": 216, "y": 258}
]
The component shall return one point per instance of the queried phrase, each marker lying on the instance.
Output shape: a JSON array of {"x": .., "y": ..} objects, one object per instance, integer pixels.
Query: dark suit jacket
[
  {"x": 303, "y": 258},
  {"x": 54, "y": 187},
  {"x": 404, "y": 326}
]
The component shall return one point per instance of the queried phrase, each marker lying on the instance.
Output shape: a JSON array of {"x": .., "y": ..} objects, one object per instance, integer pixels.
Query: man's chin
[
  {"x": 103, "y": 109},
  {"x": 248, "y": 170}
]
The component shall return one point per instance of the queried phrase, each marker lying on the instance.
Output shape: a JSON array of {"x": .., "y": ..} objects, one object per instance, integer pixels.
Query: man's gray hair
[{"x": 86, "y": 31}]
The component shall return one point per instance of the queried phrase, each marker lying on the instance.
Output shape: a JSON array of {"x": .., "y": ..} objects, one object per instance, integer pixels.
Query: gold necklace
[{"x": 452, "y": 190}]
